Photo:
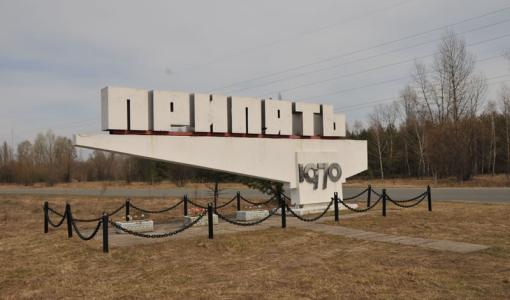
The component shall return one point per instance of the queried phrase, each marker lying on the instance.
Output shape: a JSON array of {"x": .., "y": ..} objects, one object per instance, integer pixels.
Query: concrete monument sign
[{"x": 298, "y": 144}]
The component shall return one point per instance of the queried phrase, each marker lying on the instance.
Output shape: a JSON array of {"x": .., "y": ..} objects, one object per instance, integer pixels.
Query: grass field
[
  {"x": 272, "y": 263},
  {"x": 501, "y": 180}
]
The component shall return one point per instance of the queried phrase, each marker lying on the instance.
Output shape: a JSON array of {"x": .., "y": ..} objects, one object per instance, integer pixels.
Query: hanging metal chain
[
  {"x": 56, "y": 212},
  {"x": 408, "y": 206},
  {"x": 117, "y": 210},
  {"x": 159, "y": 235},
  {"x": 87, "y": 220},
  {"x": 59, "y": 222},
  {"x": 156, "y": 211},
  {"x": 273, "y": 211},
  {"x": 360, "y": 210},
  {"x": 225, "y": 204},
  {"x": 376, "y": 193},
  {"x": 408, "y": 200},
  {"x": 356, "y": 196},
  {"x": 99, "y": 219},
  {"x": 258, "y": 203},
  {"x": 196, "y": 204},
  {"x": 310, "y": 219},
  {"x": 81, "y": 236}
]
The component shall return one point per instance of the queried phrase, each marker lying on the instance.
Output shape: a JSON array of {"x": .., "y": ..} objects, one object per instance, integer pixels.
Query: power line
[
  {"x": 365, "y": 49},
  {"x": 308, "y": 32},
  {"x": 380, "y": 67},
  {"x": 370, "y": 103},
  {"x": 365, "y": 58},
  {"x": 391, "y": 80}
]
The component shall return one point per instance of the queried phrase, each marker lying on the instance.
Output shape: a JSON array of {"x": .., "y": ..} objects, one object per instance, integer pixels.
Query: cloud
[{"x": 57, "y": 55}]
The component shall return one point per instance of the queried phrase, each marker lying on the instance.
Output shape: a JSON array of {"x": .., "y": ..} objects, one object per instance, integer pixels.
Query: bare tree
[
  {"x": 377, "y": 130},
  {"x": 450, "y": 95},
  {"x": 491, "y": 112},
  {"x": 25, "y": 162},
  {"x": 414, "y": 118},
  {"x": 505, "y": 109}
]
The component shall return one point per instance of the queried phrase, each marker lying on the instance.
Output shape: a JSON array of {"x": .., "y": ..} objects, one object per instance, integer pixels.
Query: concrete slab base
[
  {"x": 251, "y": 215},
  {"x": 137, "y": 226}
]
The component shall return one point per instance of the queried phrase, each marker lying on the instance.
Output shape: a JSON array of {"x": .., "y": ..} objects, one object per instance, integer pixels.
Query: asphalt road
[{"x": 499, "y": 195}]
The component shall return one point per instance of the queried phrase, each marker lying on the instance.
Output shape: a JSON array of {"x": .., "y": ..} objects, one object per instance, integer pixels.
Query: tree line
[
  {"x": 51, "y": 159},
  {"x": 441, "y": 126}
]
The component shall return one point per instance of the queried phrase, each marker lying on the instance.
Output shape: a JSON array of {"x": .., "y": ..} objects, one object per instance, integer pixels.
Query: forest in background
[{"x": 441, "y": 126}]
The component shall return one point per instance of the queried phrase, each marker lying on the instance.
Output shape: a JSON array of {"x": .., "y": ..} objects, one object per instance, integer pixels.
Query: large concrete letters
[{"x": 297, "y": 143}]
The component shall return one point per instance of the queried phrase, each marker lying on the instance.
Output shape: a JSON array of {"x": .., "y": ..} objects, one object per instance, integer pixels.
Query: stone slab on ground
[
  {"x": 460, "y": 247},
  {"x": 251, "y": 215},
  {"x": 136, "y": 226},
  {"x": 443, "y": 245},
  {"x": 413, "y": 241}
]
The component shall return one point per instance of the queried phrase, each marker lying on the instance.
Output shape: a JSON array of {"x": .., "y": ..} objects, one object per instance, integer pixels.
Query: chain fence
[
  {"x": 360, "y": 210},
  {"x": 247, "y": 223},
  {"x": 310, "y": 219},
  {"x": 399, "y": 203},
  {"x": 158, "y": 235},
  {"x": 148, "y": 211},
  {"x": 63, "y": 217},
  {"x": 227, "y": 203},
  {"x": 424, "y": 194},
  {"x": 358, "y": 195},
  {"x": 258, "y": 203},
  {"x": 196, "y": 204},
  {"x": 83, "y": 237},
  {"x": 283, "y": 205}
]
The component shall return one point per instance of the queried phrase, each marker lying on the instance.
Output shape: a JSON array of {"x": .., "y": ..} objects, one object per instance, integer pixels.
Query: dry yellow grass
[
  {"x": 271, "y": 264},
  {"x": 477, "y": 181},
  {"x": 122, "y": 184},
  {"x": 501, "y": 180}
]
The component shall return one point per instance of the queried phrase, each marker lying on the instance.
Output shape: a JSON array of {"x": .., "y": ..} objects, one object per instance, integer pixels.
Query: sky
[{"x": 55, "y": 56}]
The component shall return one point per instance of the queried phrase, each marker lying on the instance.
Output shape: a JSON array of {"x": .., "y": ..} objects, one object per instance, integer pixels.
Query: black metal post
[
  {"x": 210, "y": 220},
  {"x": 283, "y": 210},
  {"x": 384, "y": 202},
  {"x": 369, "y": 195},
  {"x": 238, "y": 195},
  {"x": 69, "y": 218},
  {"x": 429, "y": 197},
  {"x": 185, "y": 205},
  {"x": 127, "y": 209},
  {"x": 46, "y": 217},
  {"x": 215, "y": 204},
  {"x": 105, "y": 232},
  {"x": 335, "y": 198}
]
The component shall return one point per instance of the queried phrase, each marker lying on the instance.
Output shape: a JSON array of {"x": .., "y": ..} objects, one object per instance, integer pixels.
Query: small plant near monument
[{"x": 195, "y": 211}]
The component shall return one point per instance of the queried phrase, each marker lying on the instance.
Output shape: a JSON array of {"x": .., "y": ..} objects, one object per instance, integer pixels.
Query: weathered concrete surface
[{"x": 443, "y": 245}]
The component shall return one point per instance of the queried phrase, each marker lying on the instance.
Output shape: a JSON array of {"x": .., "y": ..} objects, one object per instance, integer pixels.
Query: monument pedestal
[{"x": 310, "y": 209}]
